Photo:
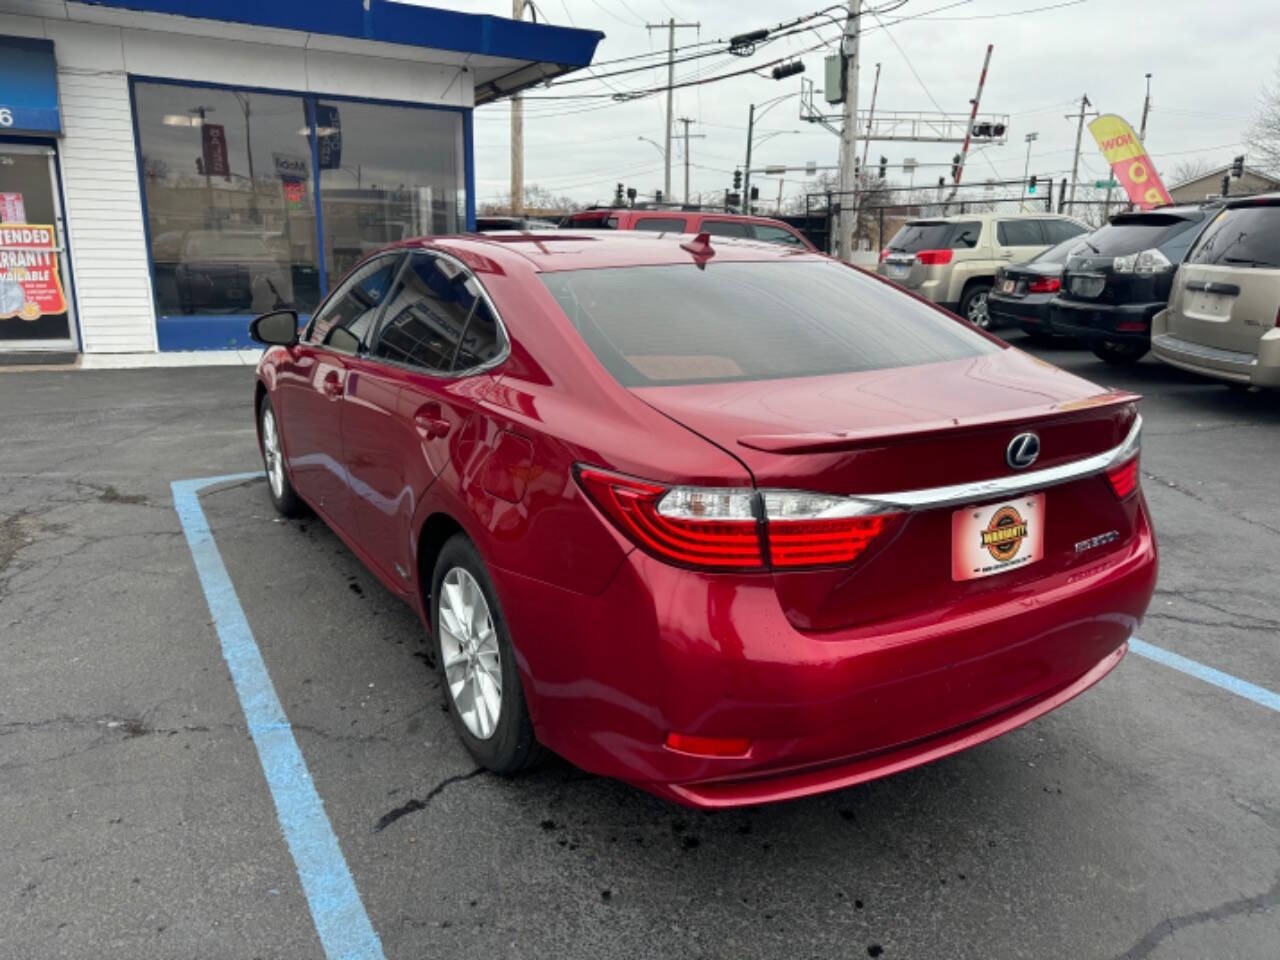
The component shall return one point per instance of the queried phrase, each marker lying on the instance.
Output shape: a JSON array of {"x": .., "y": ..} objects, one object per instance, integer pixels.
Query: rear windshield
[
  {"x": 655, "y": 326},
  {"x": 1242, "y": 237},
  {"x": 935, "y": 235},
  {"x": 1135, "y": 234}
]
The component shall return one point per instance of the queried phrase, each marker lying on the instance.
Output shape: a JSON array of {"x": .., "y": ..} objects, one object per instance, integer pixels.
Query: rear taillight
[
  {"x": 1044, "y": 285},
  {"x": 884, "y": 253},
  {"x": 1124, "y": 478},
  {"x": 933, "y": 258},
  {"x": 728, "y": 528}
]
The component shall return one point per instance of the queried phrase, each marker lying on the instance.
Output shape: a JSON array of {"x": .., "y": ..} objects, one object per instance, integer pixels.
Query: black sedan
[{"x": 1022, "y": 291}]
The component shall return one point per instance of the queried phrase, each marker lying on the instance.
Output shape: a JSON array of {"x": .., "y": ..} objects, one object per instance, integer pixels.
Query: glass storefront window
[
  {"x": 386, "y": 173},
  {"x": 230, "y": 179},
  {"x": 229, "y": 198}
]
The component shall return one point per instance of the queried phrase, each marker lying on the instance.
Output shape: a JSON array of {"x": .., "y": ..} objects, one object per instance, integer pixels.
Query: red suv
[{"x": 690, "y": 221}]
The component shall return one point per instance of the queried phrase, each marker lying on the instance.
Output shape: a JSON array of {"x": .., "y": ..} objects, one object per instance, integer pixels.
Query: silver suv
[{"x": 953, "y": 260}]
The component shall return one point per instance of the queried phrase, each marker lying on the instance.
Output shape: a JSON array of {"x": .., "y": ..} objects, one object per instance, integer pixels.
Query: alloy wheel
[
  {"x": 470, "y": 654},
  {"x": 271, "y": 453},
  {"x": 978, "y": 314}
]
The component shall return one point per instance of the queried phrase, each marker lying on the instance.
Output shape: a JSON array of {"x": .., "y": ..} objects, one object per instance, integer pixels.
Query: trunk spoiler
[{"x": 800, "y": 443}]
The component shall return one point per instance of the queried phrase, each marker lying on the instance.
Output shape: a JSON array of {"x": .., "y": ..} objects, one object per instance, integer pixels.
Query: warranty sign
[{"x": 30, "y": 284}]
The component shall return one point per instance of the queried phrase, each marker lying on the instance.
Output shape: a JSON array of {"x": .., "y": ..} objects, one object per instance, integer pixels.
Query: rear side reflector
[
  {"x": 708, "y": 746},
  {"x": 1133, "y": 326},
  {"x": 933, "y": 258},
  {"x": 1044, "y": 285},
  {"x": 1124, "y": 478},
  {"x": 727, "y": 528}
]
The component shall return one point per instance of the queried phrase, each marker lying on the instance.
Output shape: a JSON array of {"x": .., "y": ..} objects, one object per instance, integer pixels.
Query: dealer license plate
[{"x": 997, "y": 538}]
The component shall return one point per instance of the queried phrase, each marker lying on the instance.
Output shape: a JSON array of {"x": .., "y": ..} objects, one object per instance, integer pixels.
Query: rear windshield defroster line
[{"x": 669, "y": 325}]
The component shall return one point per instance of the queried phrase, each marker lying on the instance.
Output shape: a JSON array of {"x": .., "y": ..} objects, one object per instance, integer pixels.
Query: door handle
[
  {"x": 430, "y": 421},
  {"x": 331, "y": 385}
]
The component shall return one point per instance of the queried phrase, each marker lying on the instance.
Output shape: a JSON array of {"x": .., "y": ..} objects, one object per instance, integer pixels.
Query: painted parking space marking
[
  {"x": 1225, "y": 681},
  {"x": 336, "y": 908}
]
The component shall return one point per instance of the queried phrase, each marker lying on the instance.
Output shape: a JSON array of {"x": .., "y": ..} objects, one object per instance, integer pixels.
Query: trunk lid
[
  {"x": 911, "y": 428},
  {"x": 1224, "y": 307}
]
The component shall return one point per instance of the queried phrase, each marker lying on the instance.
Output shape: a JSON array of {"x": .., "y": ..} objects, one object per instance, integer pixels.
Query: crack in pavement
[
  {"x": 414, "y": 805},
  {"x": 1167, "y": 927},
  {"x": 1173, "y": 485}
]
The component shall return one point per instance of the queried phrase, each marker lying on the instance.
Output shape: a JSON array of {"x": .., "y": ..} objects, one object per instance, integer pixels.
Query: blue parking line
[
  {"x": 1225, "y": 681},
  {"x": 336, "y": 908}
]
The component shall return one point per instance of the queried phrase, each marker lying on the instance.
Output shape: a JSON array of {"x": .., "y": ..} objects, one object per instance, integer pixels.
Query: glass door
[{"x": 35, "y": 300}]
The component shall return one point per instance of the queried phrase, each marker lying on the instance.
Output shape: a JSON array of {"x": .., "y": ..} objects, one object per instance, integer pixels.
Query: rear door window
[
  {"x": 601, "y": 222},
  {"x": 726, "y": 228},
  {"x": 661, "y": 224},
  {"x": 1056, "y": 231},
  {"x": 1020, "y": 233},
  {"x": 1242, "y": 237},
  {"x": 777, "y": 235},
  {"x": 654, "y": 326}
]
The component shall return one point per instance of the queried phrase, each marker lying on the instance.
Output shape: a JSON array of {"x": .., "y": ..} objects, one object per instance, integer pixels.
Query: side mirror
[{"x": 279, "y": 327}]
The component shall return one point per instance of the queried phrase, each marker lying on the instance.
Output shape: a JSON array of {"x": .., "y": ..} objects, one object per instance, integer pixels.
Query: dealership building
[{"x": 169, "y": 168}]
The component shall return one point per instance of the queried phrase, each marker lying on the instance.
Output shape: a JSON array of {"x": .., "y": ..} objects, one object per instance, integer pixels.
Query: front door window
[{"x": 35, "y": 309}]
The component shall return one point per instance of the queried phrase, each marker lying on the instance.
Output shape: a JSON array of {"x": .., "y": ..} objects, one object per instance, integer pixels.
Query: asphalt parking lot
[{"x": 1142, "y": 820}]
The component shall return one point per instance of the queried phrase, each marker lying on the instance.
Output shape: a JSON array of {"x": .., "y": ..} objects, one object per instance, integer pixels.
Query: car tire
[
  {"x": 973, "y": 305},
  {"x": 1119, "y": 354},
  {"x": 473, "y": 650},
  {"x": 283, "y": 497}
]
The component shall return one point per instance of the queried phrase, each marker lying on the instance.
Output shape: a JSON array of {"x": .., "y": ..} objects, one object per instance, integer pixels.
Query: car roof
[
  {"x": 658, "y": 212},
  {"x": 988, "y": 215},
  {"x": 564, "y": 249}
]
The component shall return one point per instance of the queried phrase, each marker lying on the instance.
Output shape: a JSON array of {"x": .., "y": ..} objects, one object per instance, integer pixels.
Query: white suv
[{"x": 953, "y": 260}]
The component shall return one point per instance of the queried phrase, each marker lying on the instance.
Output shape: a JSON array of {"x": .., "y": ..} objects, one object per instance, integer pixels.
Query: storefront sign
[
  {"x": 1129, "y": 161},
  {"x": 213, "y": 136},
  {"x": 295, "y": 195},
  {"x": 328, "y": 136},
  {"x": 28, "y": 87},
  {"x": 12, "y": 209},
  {"x": 290, "y": 166},
  {"x": 30, "y": 285}
]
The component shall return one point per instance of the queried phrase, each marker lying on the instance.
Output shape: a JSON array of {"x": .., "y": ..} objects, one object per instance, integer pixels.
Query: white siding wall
[{"x": 97, "y": 153}]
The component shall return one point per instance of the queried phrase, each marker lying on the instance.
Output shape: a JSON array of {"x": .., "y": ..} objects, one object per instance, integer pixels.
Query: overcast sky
[{"x": 1208, "y": 69}]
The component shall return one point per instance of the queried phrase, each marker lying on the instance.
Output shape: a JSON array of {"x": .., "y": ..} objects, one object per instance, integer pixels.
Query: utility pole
[
  {"x": 517, "y": 135},
  {"x": 671, "y": 27},
  {"x": 848, "y": 222},
  {"x": 686, "y": 137},
  {"x": 1075, "y": 165},
  {"x": 1146, "y": 108}
]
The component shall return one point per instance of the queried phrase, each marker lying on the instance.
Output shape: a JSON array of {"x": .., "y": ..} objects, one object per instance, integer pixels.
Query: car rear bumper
[
  {"x": 1029, "y": 312},
  {"x": 666, "y": 650},
  {"x": 1103, "y": 321},
  {"x": 1261, "y": 369}
]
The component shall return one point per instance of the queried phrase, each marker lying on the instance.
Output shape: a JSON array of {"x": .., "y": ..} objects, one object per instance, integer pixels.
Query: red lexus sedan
[{"x": 731, "y": 522}]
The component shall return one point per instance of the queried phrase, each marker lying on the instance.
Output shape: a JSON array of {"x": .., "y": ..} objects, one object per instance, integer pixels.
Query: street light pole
[
  {"x": 1026, "y": 168},
  {"x": 751, "y": 126},
  {"x": 1146, "y": 108}
]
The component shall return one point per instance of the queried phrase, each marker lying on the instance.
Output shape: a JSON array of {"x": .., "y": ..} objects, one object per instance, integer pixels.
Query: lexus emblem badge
[{"x": 1022, "y": 451}]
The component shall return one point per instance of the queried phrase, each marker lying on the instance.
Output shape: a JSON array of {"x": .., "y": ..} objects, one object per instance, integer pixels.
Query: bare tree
[
  {"x": 536, "y": 198},
  {"x": 1185, "y": 170},
  {"x": 1263, "y": 137}
]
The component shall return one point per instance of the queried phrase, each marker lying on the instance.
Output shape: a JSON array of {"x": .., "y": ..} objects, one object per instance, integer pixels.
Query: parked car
[
  {"x": 690, "y": 221},
  {"x": 490, "y": 224},
  {"x": 232, "y": 271},
  {"x": 953, "y": 260},
  {"x": 730, "y": 522},
  {"x": 1023, "y": 291},
  {"x": 1223, "y": 317},
  {"x": 1120, "y": 278}
]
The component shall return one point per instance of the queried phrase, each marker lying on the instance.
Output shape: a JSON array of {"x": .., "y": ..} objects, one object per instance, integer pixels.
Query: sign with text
[
  {"x": 213, "y": 137},
  {"x": 328, "y": 137},
  {"x": 1129, "y": 161},
  {"x": 290, "y": 166},
  {"x": 30, "y": 286},
  {"x": 12, "y": 209}
]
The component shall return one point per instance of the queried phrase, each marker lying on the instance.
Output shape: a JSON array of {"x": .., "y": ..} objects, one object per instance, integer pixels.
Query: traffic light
[
  {"x": 884, "y": 167},
  {"x": 955, "y": 167},
  {"x": 1031, "y": 184},
  {"x": 755, "y": 193},
  {"x": 657, "y": 196},
  {"x": 631, "y": 195},
  {"x": 1237, "y": 167},
  {"x": 787, "y": 69},
  {"x": 618, "y": 198},
  {"x": 737, "y": 179}
]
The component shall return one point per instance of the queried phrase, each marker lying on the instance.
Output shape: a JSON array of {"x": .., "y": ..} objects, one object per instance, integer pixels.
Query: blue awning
[
  {"x": 28, "y": 87},
  {"x": 544, "y": 50}
]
